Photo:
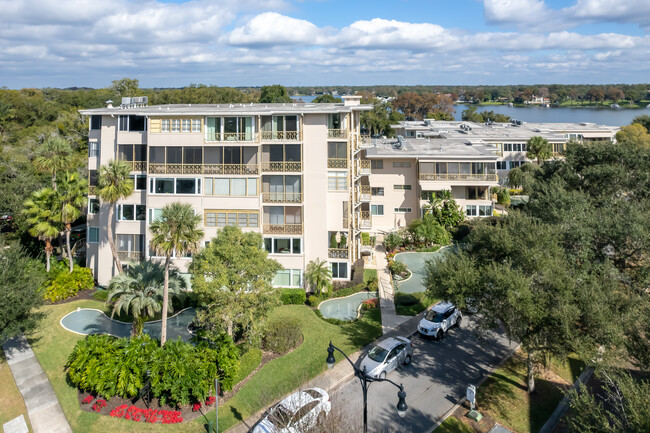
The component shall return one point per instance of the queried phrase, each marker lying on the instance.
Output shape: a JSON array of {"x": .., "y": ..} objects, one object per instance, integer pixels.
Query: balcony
[
  {"x": 337, "y": 133},
  {"x": 364, "y": 219},
  {"x": 337, "y": 253},
  {"x": 137, "y": 165},
  {"x": 364, "y": 193},
  {"x": 282, "y": 229},
  {"x": 130, "y": 256},
  {"x": 245, "y": 137},
  {"x": 337, "y": 163},
  {"x": 282, "y": 166},
  {"x": 243, "y": 169},
  {"x": 458, "y": 176},
  {"x": 362, "y": 168},
  {"x": 282, "y": 197},
  {"x": 281, "y": 135}
]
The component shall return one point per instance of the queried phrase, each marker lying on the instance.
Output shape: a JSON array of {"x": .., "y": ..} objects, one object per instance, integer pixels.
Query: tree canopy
[{"x": 274, "y": 94}]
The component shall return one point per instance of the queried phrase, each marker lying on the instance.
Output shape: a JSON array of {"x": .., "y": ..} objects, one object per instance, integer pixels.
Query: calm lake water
[{"x": 603, "y": 116}]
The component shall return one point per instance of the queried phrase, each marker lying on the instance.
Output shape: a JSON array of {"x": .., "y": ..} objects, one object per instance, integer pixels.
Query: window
[
  {"x": 337, "y": 180},
  {"x": 154, "y": 215},
  {"x": 196, "y": 125},
  {"x": 379, "y": 191},
  {"x": 481, "y": 211},
  {"x": 139, "y": 182},
  {"x": 132, "y": 123},
  {"x": 165, "y": 125},
  {"x": 93, "y": 235},
  {"x": 507, "y": 147},
  {"x": 222, "y": 218},
  {"x": 231, "y": 187},
  {"x": 404, "y": 164},
  {"x": 376, "y": 164},
  {"x": 428, "y": 195},
  {"x": 402, "y": 187},
  {"x": 516, "y": 147},
  {"x": 337, "y": 150},
  {"x": 130, "y": 212},
  {"x": 283, "y": 245},
  {"x": 170, "y": 185},
  {"x": 176, "y": 125},
  {"x": 185, "y": 125},
  {"x": 377, "y": 209},
  {"x": 339, "y": 270},
  {"x": 475, "y": 192},
  {"x": 93, "y": 177},
  {"x": 402, "y": 210},
  {"x": 470, "y": 210},
  {"x": 93, "y": 206},
  {"x": 502, "y": 165},
  {"x": 288, "y": 278},
  {"x": 95, "y": 122},
  {"x": 93, "y": 149},
  {"x": 130, "y": 243},
  {"x": 334, "y": 121}
]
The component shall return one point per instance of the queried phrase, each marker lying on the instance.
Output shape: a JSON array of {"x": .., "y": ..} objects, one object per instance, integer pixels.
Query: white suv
[{"x": 439, "y": 319}]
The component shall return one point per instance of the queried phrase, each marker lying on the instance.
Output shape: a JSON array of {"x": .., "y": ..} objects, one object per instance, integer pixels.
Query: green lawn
[
  {"x": 52, "y": 345},
  {"x": 369, "y": 274},
  {"x": 453, "y": 425},
  {"x": 410, "y": 304},
  {"x": 505, "y": 399},
  {"x": 11, "y": 402}
]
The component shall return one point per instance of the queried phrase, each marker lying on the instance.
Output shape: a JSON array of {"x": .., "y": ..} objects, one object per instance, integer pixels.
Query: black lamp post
[{"x": 366, "y": 380}]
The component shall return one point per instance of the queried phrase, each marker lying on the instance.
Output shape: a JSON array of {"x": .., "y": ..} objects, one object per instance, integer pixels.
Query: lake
[
  {"x": 603, "y": 116},
  {"x": 536, "y": 114}
]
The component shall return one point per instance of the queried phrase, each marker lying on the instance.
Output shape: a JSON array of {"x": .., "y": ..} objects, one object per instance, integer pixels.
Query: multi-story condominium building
[
  {"x": 509, "y": 139},
  {"x": 302, "y": 175}
]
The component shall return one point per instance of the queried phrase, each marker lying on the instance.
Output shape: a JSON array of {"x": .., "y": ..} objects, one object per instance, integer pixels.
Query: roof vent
[{"x": 109, "y": 104}]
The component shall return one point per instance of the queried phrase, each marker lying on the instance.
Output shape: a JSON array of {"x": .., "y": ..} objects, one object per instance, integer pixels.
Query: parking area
[{"x": 434, "y": 381}]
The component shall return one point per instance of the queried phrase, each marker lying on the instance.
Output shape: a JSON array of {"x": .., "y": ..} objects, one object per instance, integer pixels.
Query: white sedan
[{"x": 297, "y": 413}]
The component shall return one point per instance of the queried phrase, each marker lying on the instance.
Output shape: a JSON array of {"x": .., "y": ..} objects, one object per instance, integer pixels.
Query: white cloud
[{"x": 271, "y": 28}]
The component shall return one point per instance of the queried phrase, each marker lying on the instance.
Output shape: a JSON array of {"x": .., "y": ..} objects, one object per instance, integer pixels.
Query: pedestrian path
[
  {"x": 389, "y": 318},
  {"x": 43, "y": 408}
]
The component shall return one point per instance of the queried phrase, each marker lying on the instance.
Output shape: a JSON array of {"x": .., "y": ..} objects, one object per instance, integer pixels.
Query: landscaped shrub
[
  {"x": 503, "y": 196},
  {"x": 282, "y": 335},
  {"x": 62, "y": 284},
  {"x": 393, "y": 240},
  {"x": 396, "y": 267},
  {"x": 373, "y": 284},
  {"x": 293, "y": 296},
  {"x": 365, "y": 238},
  {"x": 348, "y": 291},
  {"x": 369, "y": 304},
  {"x": 179, "y": 372},
  {"x": 461, "y": 232}
]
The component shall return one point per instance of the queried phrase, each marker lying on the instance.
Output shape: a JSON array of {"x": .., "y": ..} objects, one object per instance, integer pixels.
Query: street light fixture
[{"x": 365, "y": 381}]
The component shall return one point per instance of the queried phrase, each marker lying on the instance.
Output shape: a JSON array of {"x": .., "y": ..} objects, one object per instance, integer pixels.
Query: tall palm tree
[
  {"x": 44, "y": 218},
  {"x": 176, "y": 231},
  {"x": 72, "y": 198},
  {"x": 114, "y": 184},
  {"x": 538, "y": 148},
  {"x": 55, "y": 154},
  {"x": 318, "y": 275},
  {"x": 138, "y": 291}
]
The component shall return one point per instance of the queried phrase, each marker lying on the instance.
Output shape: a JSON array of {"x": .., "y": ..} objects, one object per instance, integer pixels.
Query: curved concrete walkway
[
  {"x": 389, "y": 318},
  {"x": 43, "y": 408}
]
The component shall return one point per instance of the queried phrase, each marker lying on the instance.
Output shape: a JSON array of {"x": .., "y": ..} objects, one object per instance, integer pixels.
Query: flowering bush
[
  {"x": 88, "y": 399},
  {"x": 150, "y": 415},
  {"x": 370, "y": 303},
  {"x": 196, "y": 407},
  {"x": 99, "y": 405},
  {"x": 210, "y": 401}
]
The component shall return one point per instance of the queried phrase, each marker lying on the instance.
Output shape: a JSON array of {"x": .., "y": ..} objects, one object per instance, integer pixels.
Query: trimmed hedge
[
  {"x": 282, "y": 335},
  {"x": 293, "y": 296},
  {"x": 61, "y": 284}
]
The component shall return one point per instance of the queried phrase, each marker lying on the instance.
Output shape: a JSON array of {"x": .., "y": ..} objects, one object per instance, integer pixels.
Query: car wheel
[
  {"x": 407, "y": 360},
  {"x": 382, "y": 375},
  {"x": 439, "y": 334},
  {"x": 459, "y": 321}
]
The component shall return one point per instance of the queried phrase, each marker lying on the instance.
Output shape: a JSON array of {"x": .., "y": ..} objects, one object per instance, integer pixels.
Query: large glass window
[
  {"x": 339, "y": 270},
  {"x": 288, "y": 278},
  {"x": 379, "y": 191},
  {"x": 93, "y": 235},
  {"x": 163, "y": 186},
  {"x": 337, "y": 180},
  {"x": 376, "y": 164},
  {"x": 170, "y": 185},
  {"x": 186, "y": 186},
  {"x": 283, "y": 245},
  {"x": 337, "y": 150},
  {"x": 334, "y": 121},
  {"x": 131, "y": 212},
  {"x": 246, "y": 186},
  {"x": 95, "y": 122},
  {"x": 139, "y": 182},
  {"x": 154, "y": 215},
  {"x": 222, "y": 218},
  {"x": 93, "y": 206},
  {"x": 132, "y": 123},
  {"x": 377, "y": 209},
  {"x": 93, "y": 149}
]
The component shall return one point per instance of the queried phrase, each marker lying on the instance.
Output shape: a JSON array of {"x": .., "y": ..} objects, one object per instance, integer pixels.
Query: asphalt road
[{"x": 434, "y": 382}]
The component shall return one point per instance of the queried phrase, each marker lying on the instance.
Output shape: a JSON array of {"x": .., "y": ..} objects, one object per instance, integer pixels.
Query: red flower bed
[
  {"x": 210, "y": 401},
  {"x": 99, "y": 405},
  {"x": 196, "y": 407},
  {"x": 370, "y": 303},
  {"x": 88, "y": 399},
  {"x": 147, "y": 415}
]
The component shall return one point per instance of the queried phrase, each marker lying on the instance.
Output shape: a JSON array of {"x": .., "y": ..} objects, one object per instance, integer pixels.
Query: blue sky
[{"x": 171, "y": 43}]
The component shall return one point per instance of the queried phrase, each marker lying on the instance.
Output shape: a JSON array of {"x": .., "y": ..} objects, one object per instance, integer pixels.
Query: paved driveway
[{"x": 434, "y": 382}]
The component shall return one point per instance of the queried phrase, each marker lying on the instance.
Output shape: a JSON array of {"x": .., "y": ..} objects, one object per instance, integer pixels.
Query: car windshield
[
  {"x": 280, "y": 417},
  {"x": 434, "y": 316},
  {"x": 313, "y": 393},
  {"x": 378, "y": 354}
]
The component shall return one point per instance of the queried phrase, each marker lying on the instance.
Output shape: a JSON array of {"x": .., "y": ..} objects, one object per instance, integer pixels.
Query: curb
[{"x": 480, "y": 382}]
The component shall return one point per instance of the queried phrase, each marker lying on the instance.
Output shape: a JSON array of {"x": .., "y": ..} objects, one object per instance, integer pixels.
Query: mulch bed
[{"x": 81, "y": 295}]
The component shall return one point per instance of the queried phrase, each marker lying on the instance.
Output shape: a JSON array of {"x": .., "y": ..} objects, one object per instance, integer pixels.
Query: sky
[{"x": 173, "y": 43}]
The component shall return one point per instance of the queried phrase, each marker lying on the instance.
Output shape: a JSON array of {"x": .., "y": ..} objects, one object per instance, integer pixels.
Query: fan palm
[
  {"x": 176, "y": 231},
  {"x": 138, "y": 291},
  {"x": 55, "y": 154},
  {"x": 318, "y": 275},
  {"x": 538, "y": 148},
  {"x": 44, "y": 218},
  {"x": 114, "y": 184},
  {"x": 72, "y": 198}
]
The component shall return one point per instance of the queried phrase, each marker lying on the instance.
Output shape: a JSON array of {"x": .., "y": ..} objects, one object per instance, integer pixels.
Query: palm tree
[
  {"x": 175, "y": 231},
  {"x": 538, "y": 148},
  {"x": 43, "y": 216},
  {"x": 72, "y": 198},
  {"x": 114, "y": 184},
  {"x": 138, "y": 291},
  {"x": 54, "y": 155},
  {"x": 318, "y": 275}
]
